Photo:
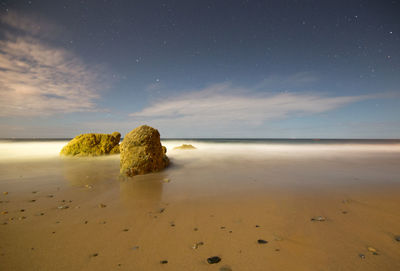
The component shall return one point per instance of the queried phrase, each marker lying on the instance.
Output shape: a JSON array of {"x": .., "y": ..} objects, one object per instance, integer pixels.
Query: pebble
[
  {"x": 5, "y": 193},
  {"x": 362, "y": 256},
  {"x": 88, "y": 186},
  {"x": 397, "y": 238},
  {"x": 225, "y": 268},
  {"x": 161, "y": 210},
  {"x": 257, "y": 226},
  {"x": 163, "y": 262},
  {"x": 94, "y": 255},
  {"x": 222, "y": 228},
  {"x": 101, "y": 205},
  {"x": 261, "y": 241},
  {"x": 372, "y": 250},
  {"x": 214, "y": 259},
  {"x": 135, "y": 247},
  {"x": 63, "y": 207},
  {"x": 22, "y": 217},
  {"x": 195, "y": 229},
  {"x": 125, "y": 229},
  {"x": 318, "y": 218},
  {"x": 50, "y": 196},
  {"x": 4, "y": 212},
  {"x": 344, "y": 212},
  {"x": 196, "y": 246},
  {"x": 34, "y": 192},
  {"x": 22, "y": 210},
  {"x": 32, "y": 200}
]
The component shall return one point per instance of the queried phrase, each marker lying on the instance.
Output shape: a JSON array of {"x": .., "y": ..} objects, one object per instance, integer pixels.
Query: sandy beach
[{"x": 324, "y": 207}]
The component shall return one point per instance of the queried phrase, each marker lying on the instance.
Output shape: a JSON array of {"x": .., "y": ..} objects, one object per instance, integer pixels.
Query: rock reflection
[
  {"x": 91, "y": 170},
  {"x": 142, "y": 190}
]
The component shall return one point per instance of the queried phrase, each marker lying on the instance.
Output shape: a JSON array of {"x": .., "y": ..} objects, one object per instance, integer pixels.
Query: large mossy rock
[
  {"x": 93, "y": 145},
  {"x": 142, "y": 152}
]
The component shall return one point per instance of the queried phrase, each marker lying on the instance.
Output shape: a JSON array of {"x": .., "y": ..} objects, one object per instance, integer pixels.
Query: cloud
[
  {"x": 37, "y": 78},
  {"x": 225, "y": 106}
]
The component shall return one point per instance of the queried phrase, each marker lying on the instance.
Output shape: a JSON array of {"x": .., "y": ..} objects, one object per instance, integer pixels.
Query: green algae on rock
[
  {"x": 142, "y": 152},
  {"x": 92, "y": 145},
  {"x": 185, "y": 147}
]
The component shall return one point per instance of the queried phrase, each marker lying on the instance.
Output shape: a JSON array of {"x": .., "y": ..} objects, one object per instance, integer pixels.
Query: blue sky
[{"x": 264, "y": 69}]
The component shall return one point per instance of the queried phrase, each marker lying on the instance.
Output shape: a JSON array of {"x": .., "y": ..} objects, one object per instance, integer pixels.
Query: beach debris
[
  {"x": 86, "y": 222},
  {"x": 172, "y": 224},
  {"x": 63, "y": 207},
  {"x": 94, "y": 255},
  {"x": 166, "y": 180},
  {"x": 397, "y": 238},
  {"x": 4, "y": 212},
  {"x": 213, "y": 260},
  {"x": 161, "y": 210},
  {"x": 318, "y": 218},
  {"x": 185, "y": 147},
  {"x": 92, "y": 145},
  {"x": 372, "y": 250},
  {"x": 195, "y": 229},
  {"x": 125, "y": 230},
  {"x": 101, "y": 205},
  {"x": 222, "y": 227},
  {"x": 22, "y": 210},
  {"x": 225, "y": 268},
  {"x": 5, "y": 193},
  {"x": 197, "y": 245},
  {"x": 163, "y": 262},
  {"x": 261, "y": 241},
  {"x": 142, "y": 152},
  {"x": 53, "y": 232},
  {"x": 362, "y": 256},
  {"x": 257, "y": 226},
  {"x": 135, "y": 248}
]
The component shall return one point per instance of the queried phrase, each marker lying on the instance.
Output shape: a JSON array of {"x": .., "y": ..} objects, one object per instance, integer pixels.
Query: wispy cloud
[
  {"x": 227, "y": 106},
  {"x": 37, "y": 78}
]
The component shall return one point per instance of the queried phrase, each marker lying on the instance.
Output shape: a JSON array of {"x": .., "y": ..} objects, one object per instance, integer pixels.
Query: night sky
[{"x": 257, "y": 69}]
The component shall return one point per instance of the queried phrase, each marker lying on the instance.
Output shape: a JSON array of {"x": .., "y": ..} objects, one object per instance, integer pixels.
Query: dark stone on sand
[
  {"x": 362, "y": 256},
  {"x": 125, "y": 229},
  {"x": 261, "y": 241},
  {"x": 163, "y": 262},
  {"x": 257, "y": 226},
  {"x": 94, "y": 255},
  {"x": 397, "y": 238},
  {"x": 214, "y": 259}
]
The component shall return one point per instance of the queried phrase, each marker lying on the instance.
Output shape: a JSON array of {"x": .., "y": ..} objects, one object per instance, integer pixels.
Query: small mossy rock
[
  {"x": 142, "y": 152},
  {"x": 185, "y": 147},
  {"x": 93, "y": 145}
]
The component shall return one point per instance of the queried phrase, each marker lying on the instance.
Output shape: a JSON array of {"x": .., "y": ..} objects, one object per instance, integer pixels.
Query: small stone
[
  {"x": 222, "y": 228},
  {"x": 318, "y": 218},
  {"x": 104, "y": 222},
  {"x": 277, "y": 249},
  {"x": 22, "y": 217},
  {"x": 4, "y": 212},
  {"x": 362, "y": 256},
  {"x": 172, "y": 224},
  {"x": 125, "y": 229},
  {"x": 135, "y": 247},
  {"x": 32, "y": 200},
  {"x": 261, "y": 241},
  {"x": 214, "y": 259},
  {"x": 195, "y": 229},
  {"x": 225, "y": 268},
  {"x": 230, "y": 231},
  {"x": 163, "y": 262},
  {"x": 94, "y": 255},
  {"x": 5, "y": 193},
  {"x": 53, "y": 232},
  {"x": 101, "y": 205},
  {"x": 344, "y": 212},
  {"x": 50, "y": 196},
  {"x": 196, "y": 246},
  {"x": 34, "y": 192},
  {"x": 63, "y": 207},
  {"x": 257, "y": 226},
  {"x": 22, "y": 210},
  {"x": 161, "y": 210},
  {"x": 397, "y": 238},
  {"x": 86, "y": 222},
  {"x": 372, "y": 250}
]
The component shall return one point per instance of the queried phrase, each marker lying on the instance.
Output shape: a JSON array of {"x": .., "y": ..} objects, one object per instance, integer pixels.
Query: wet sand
[{"x": 226, "y": 202}]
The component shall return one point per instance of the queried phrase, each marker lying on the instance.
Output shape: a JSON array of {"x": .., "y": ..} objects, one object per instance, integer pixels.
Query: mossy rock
[
  {"x": 185, "y": 147},
  {"x": 142, "y": 152},
  {"x": 93, "y": 145}
]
